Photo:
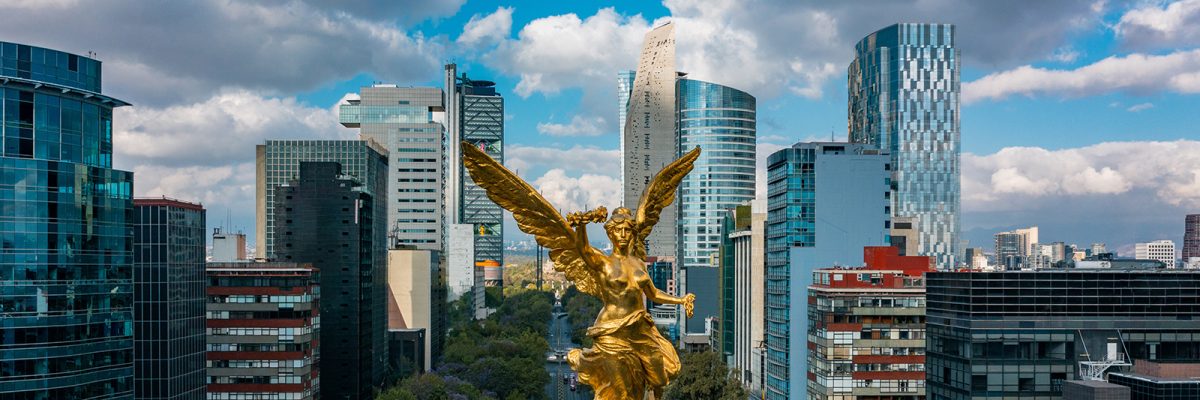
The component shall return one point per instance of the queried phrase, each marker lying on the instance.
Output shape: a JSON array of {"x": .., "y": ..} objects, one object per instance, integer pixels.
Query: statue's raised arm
[{"x": 535, "y": 216}]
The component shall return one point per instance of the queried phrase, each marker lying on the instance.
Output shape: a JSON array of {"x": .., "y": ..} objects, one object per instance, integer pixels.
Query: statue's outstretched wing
[
  {"x": 659, "y": 194},
  {"x": 534, "y": 216}
]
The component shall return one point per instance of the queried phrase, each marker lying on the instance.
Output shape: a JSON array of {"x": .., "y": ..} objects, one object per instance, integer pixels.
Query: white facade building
[{"x": 1160, "y": 250}]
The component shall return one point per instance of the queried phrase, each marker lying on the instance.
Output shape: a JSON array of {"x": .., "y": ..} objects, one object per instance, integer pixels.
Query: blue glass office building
[
  {"x": 904, "y": 98},
  {"x": 815, "y": 219},
  {"x": 66, "y": 330}
]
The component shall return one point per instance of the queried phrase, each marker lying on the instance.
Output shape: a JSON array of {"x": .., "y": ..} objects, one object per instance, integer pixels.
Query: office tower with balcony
[
  {"x": 168, "y": 299},
  {"x": 1022, "y": 334},
  {"x": 904, "y": 98},
  {"x": 278, "y": 163},
  {"x": 66, "y": 271},
  {"x": 815, "y": 220},
  {"x": 326, "y": 218},
  {"x": 400, "y": 119},
  {"x": 264, "y": 327},
  {"x": 866, "y": 328}
]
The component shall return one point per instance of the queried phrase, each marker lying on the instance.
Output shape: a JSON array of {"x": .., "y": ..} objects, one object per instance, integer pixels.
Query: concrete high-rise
[
  {"x": 416, "y": 297},
  {"x": 649, "y": 139},
  {"x": 1158, "y": 250},
  {"x": 278, "y": 163},
  {"x": 264, "y": 331},
  {"x": 721, "y": 121},
  {"x": 904, "y": 98},
  {"x": 401, "y": 120},
  {"x": 1191, "y": 238},
  {"x": 328, "y": 219},
  {"x": 66, "y": 271},
  {"x": 168, "y": 299},
  {"x": 815, "y": 220},
  {"x": 742, "y": 310},
  {"x": 228, "y": 247}
]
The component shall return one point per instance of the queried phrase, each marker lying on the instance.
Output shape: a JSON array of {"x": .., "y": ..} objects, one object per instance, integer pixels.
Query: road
[{"x": 560, "y": 340}]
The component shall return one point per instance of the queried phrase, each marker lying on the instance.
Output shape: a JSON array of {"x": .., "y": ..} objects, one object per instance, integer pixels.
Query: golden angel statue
[{"x": 628, "y": 356}]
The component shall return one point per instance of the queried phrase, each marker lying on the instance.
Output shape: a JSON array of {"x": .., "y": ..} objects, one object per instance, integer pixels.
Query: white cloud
[
  {"x": 586, "y": 160},
  {"x": 1158, "y": 25},
  {"x": 578, "y": 193},
  {"x": 1136, "y": 73},
  {"x": 215, "y": 132},
  {"x": 1065, "y": 55},
  {"x": 486, "y": 30},
  {"x": 1140, "y": 107},
  {"x": 1021, "y": 178},
  {"x": 181, "y": 52},
  {"x": 579, "y": 126}
]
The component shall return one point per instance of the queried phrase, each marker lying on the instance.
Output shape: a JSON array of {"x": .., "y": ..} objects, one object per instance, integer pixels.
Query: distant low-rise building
[{"x": 1160, "y": 250}]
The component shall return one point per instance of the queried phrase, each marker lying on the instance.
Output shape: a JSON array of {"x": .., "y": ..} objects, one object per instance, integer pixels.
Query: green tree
[
  {"x": 704, "y": 376},
  {"x": 432, "y": 386},
  {"x": 581, "y": 311}
]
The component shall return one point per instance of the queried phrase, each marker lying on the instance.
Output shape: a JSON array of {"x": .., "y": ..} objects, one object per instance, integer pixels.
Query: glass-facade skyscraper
[
  {"x": 904, "y": 98},
  {"x": 475, "y": 114},
  {"x": 814, "y": 220},
  {"x": 168, "y": 299},
  {"x": 66, "y": 289}
]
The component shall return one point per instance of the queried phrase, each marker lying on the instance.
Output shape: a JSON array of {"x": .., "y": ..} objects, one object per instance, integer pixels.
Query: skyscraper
[
  {"x": 168, "y": 299},
  {"x": 650, "y": 140},
  {"x": 278, "y": 163},
  {"x": 1191, "y": 237},
  {"x": 1013, "y": 248},
  {"x": 400, "y": 119},
  {"x": 815, "y": 220},
  {"x": 474, "y": 114},
  {"x": 904, "y": 98},
  {"x": 66, "y": 271},
  {"x": 329, "y": 219},
  {"x": 264, "y": 331}
]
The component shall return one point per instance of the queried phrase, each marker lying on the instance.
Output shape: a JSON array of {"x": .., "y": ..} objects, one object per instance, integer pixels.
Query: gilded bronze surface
[{"x": 628, "y": 356}]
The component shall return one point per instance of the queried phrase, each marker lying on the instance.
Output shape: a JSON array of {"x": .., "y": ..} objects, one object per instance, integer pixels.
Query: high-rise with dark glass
[
  {"x": 904, "y": 98},
  {"x": 328, "y": 219},
  {"x": 66, "y": 287},
  {"x": 168, "y": 299}
]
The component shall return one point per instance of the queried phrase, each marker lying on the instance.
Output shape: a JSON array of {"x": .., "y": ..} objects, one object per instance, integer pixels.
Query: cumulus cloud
[
  {"x": 489, "y": 29},
  {"x": 587, "y": 160},
  {"x": 1158, "y": 25},
  {"x": 579, "y": 126},
  {"x": 1135, "y": 73},
  {"x": 578, "y": 193},
  {"x": 180, "y": 52},
  {"x": 216, "y": 132},
  {"x": 1018, "y": 178}
]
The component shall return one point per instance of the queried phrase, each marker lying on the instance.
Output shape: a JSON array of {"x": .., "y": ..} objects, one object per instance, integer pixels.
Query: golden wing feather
[
  {"x": 660, "y": 194},
  {"x": 534, "y": 215}
]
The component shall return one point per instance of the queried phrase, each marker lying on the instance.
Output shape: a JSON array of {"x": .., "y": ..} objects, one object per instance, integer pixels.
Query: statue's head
[{"x": 620, "y": 227}]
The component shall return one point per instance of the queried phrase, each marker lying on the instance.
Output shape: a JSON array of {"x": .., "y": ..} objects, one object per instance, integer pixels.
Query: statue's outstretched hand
[{"x": 689, "y": 304}]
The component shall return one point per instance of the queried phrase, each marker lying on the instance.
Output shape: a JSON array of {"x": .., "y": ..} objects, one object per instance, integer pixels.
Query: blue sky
[{"x": 1078, "y": 116}]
